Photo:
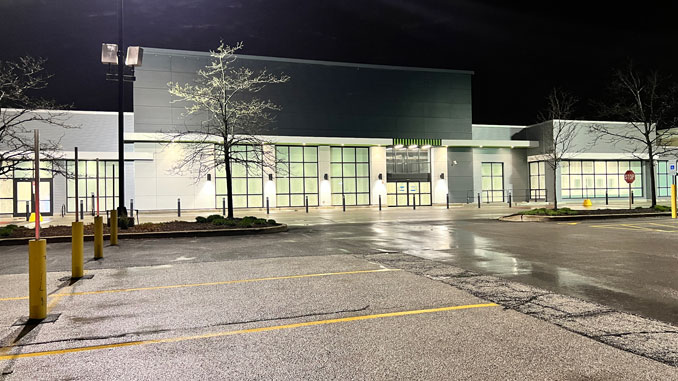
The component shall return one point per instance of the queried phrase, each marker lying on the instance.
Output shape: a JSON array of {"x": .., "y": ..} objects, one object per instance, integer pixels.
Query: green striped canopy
[{"x": 419, "y": 142}]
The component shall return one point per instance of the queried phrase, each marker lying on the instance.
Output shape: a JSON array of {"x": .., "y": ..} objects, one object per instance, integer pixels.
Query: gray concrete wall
[
  {"x": 492, "y": 132},
  {"x": 321, "y": 99},
  {"x": 460, "y": 175},
  {"x": 516, "y": 172}
]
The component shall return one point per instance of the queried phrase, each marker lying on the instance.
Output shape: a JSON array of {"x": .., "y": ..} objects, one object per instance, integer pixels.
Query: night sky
[{"x": 518, "y": 52}]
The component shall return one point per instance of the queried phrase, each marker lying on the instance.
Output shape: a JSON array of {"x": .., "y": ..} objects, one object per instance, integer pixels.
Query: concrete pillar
[
  {"x": 269, "y": 168},
  {"x": 378, "y": 166},
  {"x": 438, "y": 167},
  {"x": 324, "y": 189}
]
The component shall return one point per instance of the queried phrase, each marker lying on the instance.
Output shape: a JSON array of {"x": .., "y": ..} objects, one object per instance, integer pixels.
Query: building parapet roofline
[
  {"x": 148, "y": 51},
  {"x": 155, "y": 137}
]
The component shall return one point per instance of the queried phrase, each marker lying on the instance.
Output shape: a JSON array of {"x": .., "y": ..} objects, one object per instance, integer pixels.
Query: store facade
[{"x": 348, "y": 135}]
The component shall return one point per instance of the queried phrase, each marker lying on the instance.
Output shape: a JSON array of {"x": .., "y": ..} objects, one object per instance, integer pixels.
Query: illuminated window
[
  {"x": 296, "y": 175},
  {"x": 350, "y": 172}
]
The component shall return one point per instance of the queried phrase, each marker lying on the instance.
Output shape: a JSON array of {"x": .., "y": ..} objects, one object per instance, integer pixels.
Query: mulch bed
[
  {"x": 55, "y": 231},
  {"x": 615, "y": 211}
]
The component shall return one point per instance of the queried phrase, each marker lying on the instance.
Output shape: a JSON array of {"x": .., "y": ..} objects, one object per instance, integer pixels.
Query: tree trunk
[
  {"x": 555, "y": 194},
  {"x": 652, "y": 182},
  {"x": 229, "y": 180}
]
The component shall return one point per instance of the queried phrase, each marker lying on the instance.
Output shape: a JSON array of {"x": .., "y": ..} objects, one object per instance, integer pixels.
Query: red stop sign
[{"x": 629, "y": 176}]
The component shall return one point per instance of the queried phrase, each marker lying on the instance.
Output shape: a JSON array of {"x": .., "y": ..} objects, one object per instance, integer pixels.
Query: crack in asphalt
[
  {"x": 635, "y": 333},
  {"x": 146, "y": 332}
]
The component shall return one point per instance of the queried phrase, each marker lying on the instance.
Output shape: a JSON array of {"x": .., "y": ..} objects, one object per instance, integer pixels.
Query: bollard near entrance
[
  {"x": 343, "y": 202},
  {"x": 267, "y": 209},
  {"x": 509, "y": 198},
  {"x": 380, "y": 203},
  {"x": 607, "y": 200},
  {"x": 37, "y": 283},
  {"x": 414, "y": 202},
  {"x": 478, "y": 200},
  {"x": 306, "y": 202},
  {"x": 673, "y": 201},
  {"x": 114, "y": 227},
  {"x": 223, "y": 206},
  {"x": 131, "y": 207},
  {"x": 28, "y": 211},
  {"x": 447, "y": 200},
  {"x": 98, "y": 237},
  {"x": 82, "y": 210},
  {"x": 178, "y": 207},
  {"x": 93, "y": 205},
  {"x": 77, "y": 249}
]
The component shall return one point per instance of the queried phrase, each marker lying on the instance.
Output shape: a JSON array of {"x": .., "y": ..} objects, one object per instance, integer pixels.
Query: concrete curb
[
  {"x": 171, "y": 234},
  {"x": 535, "y": 218}
]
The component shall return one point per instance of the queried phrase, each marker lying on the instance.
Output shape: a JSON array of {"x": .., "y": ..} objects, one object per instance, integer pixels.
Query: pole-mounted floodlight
[
  {"x": 112, "y": 54},
  {"x": 109, "y": 54},
  {"x": 134, "y": 57}
]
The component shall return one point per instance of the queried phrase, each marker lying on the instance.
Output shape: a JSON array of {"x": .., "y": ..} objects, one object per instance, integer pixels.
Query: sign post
[{"x": 630, "y": 177}]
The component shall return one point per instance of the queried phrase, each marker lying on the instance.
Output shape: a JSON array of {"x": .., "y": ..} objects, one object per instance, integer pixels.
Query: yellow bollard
[
  {"x": 114, "y": 227},
  {"x": 673, "y": 201},
  {"x": 98, "y": 237},
  {"x": 37, "y": 283},
  {"x": 587, "y": 203},
  {"x": 77, "y": 249}
]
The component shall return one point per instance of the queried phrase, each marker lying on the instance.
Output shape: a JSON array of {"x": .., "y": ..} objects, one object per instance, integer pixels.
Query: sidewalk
[{"x": 324, "y": 215}]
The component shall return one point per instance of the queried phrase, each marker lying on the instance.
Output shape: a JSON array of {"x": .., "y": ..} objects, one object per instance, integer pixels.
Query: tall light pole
[
  {"x": 112, "y": 54},
  {"x": 122, "y": 211}
]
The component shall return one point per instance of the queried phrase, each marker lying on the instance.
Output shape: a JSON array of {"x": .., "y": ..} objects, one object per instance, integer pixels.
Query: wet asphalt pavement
[
  {"x": 628, "y": 264},
  {"x": 360, "y": 295}
]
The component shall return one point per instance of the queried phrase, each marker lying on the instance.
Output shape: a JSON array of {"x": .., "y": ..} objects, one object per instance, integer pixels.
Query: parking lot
[{"x": 375, "y": 296}]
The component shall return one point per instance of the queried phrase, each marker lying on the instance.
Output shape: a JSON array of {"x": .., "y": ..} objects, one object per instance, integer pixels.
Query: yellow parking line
[
  {"x": 644, "y": 228},
  {"x": 59, "y": 295},
  {"x": 673, "y": 226},
  {"x": 244, "y": 331},
  {"x": 627, "y": 227}
]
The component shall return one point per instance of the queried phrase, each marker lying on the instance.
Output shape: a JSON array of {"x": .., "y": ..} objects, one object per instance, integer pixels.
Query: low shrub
[
  {"x": 662, "y": 208},
  {"x": 224, "y": 222},
  {"x": 6, "y": 231},
  {"x": 272, "y": 222},
  {"x": 213, "y": 217},
  {"x": 201, "y": 220},
  {"x": 244, "y": 223},
  {"x": 550, "y": 212}
]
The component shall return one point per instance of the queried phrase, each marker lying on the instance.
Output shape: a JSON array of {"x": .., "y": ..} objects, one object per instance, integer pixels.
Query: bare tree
[
  {"x": 226, "y": 96},
  {"x": 649, "y": 103},
  {"x": 19, "y": 107},
  {"x": 562, "y": 133}
]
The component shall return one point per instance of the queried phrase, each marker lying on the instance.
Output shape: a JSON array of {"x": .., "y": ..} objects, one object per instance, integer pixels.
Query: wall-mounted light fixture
[
  {"x": 453, "y": 163},
  {"x": 381, "y": 177},
  {"x": 326, "y": 177},
  {"x": 209, "y": 177},
  {"x": 442, "y": 176},
  {"x": 270, "y": 177}
]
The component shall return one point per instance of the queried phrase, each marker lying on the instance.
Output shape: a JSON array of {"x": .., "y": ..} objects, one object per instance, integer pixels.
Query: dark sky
[{"x": 518, "y": 50}]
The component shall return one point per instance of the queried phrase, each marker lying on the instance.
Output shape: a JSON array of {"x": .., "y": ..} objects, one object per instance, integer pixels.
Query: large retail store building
[{"x": 347, "y": 133}]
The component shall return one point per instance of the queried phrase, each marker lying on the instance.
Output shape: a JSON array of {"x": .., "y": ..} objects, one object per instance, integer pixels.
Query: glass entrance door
[
  {"x": 404, "y": 193},
  {"x": 23, "y": 195}
]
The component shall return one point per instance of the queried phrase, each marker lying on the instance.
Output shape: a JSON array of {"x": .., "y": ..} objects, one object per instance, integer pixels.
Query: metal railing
[{"x": 506, "y": 196}]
